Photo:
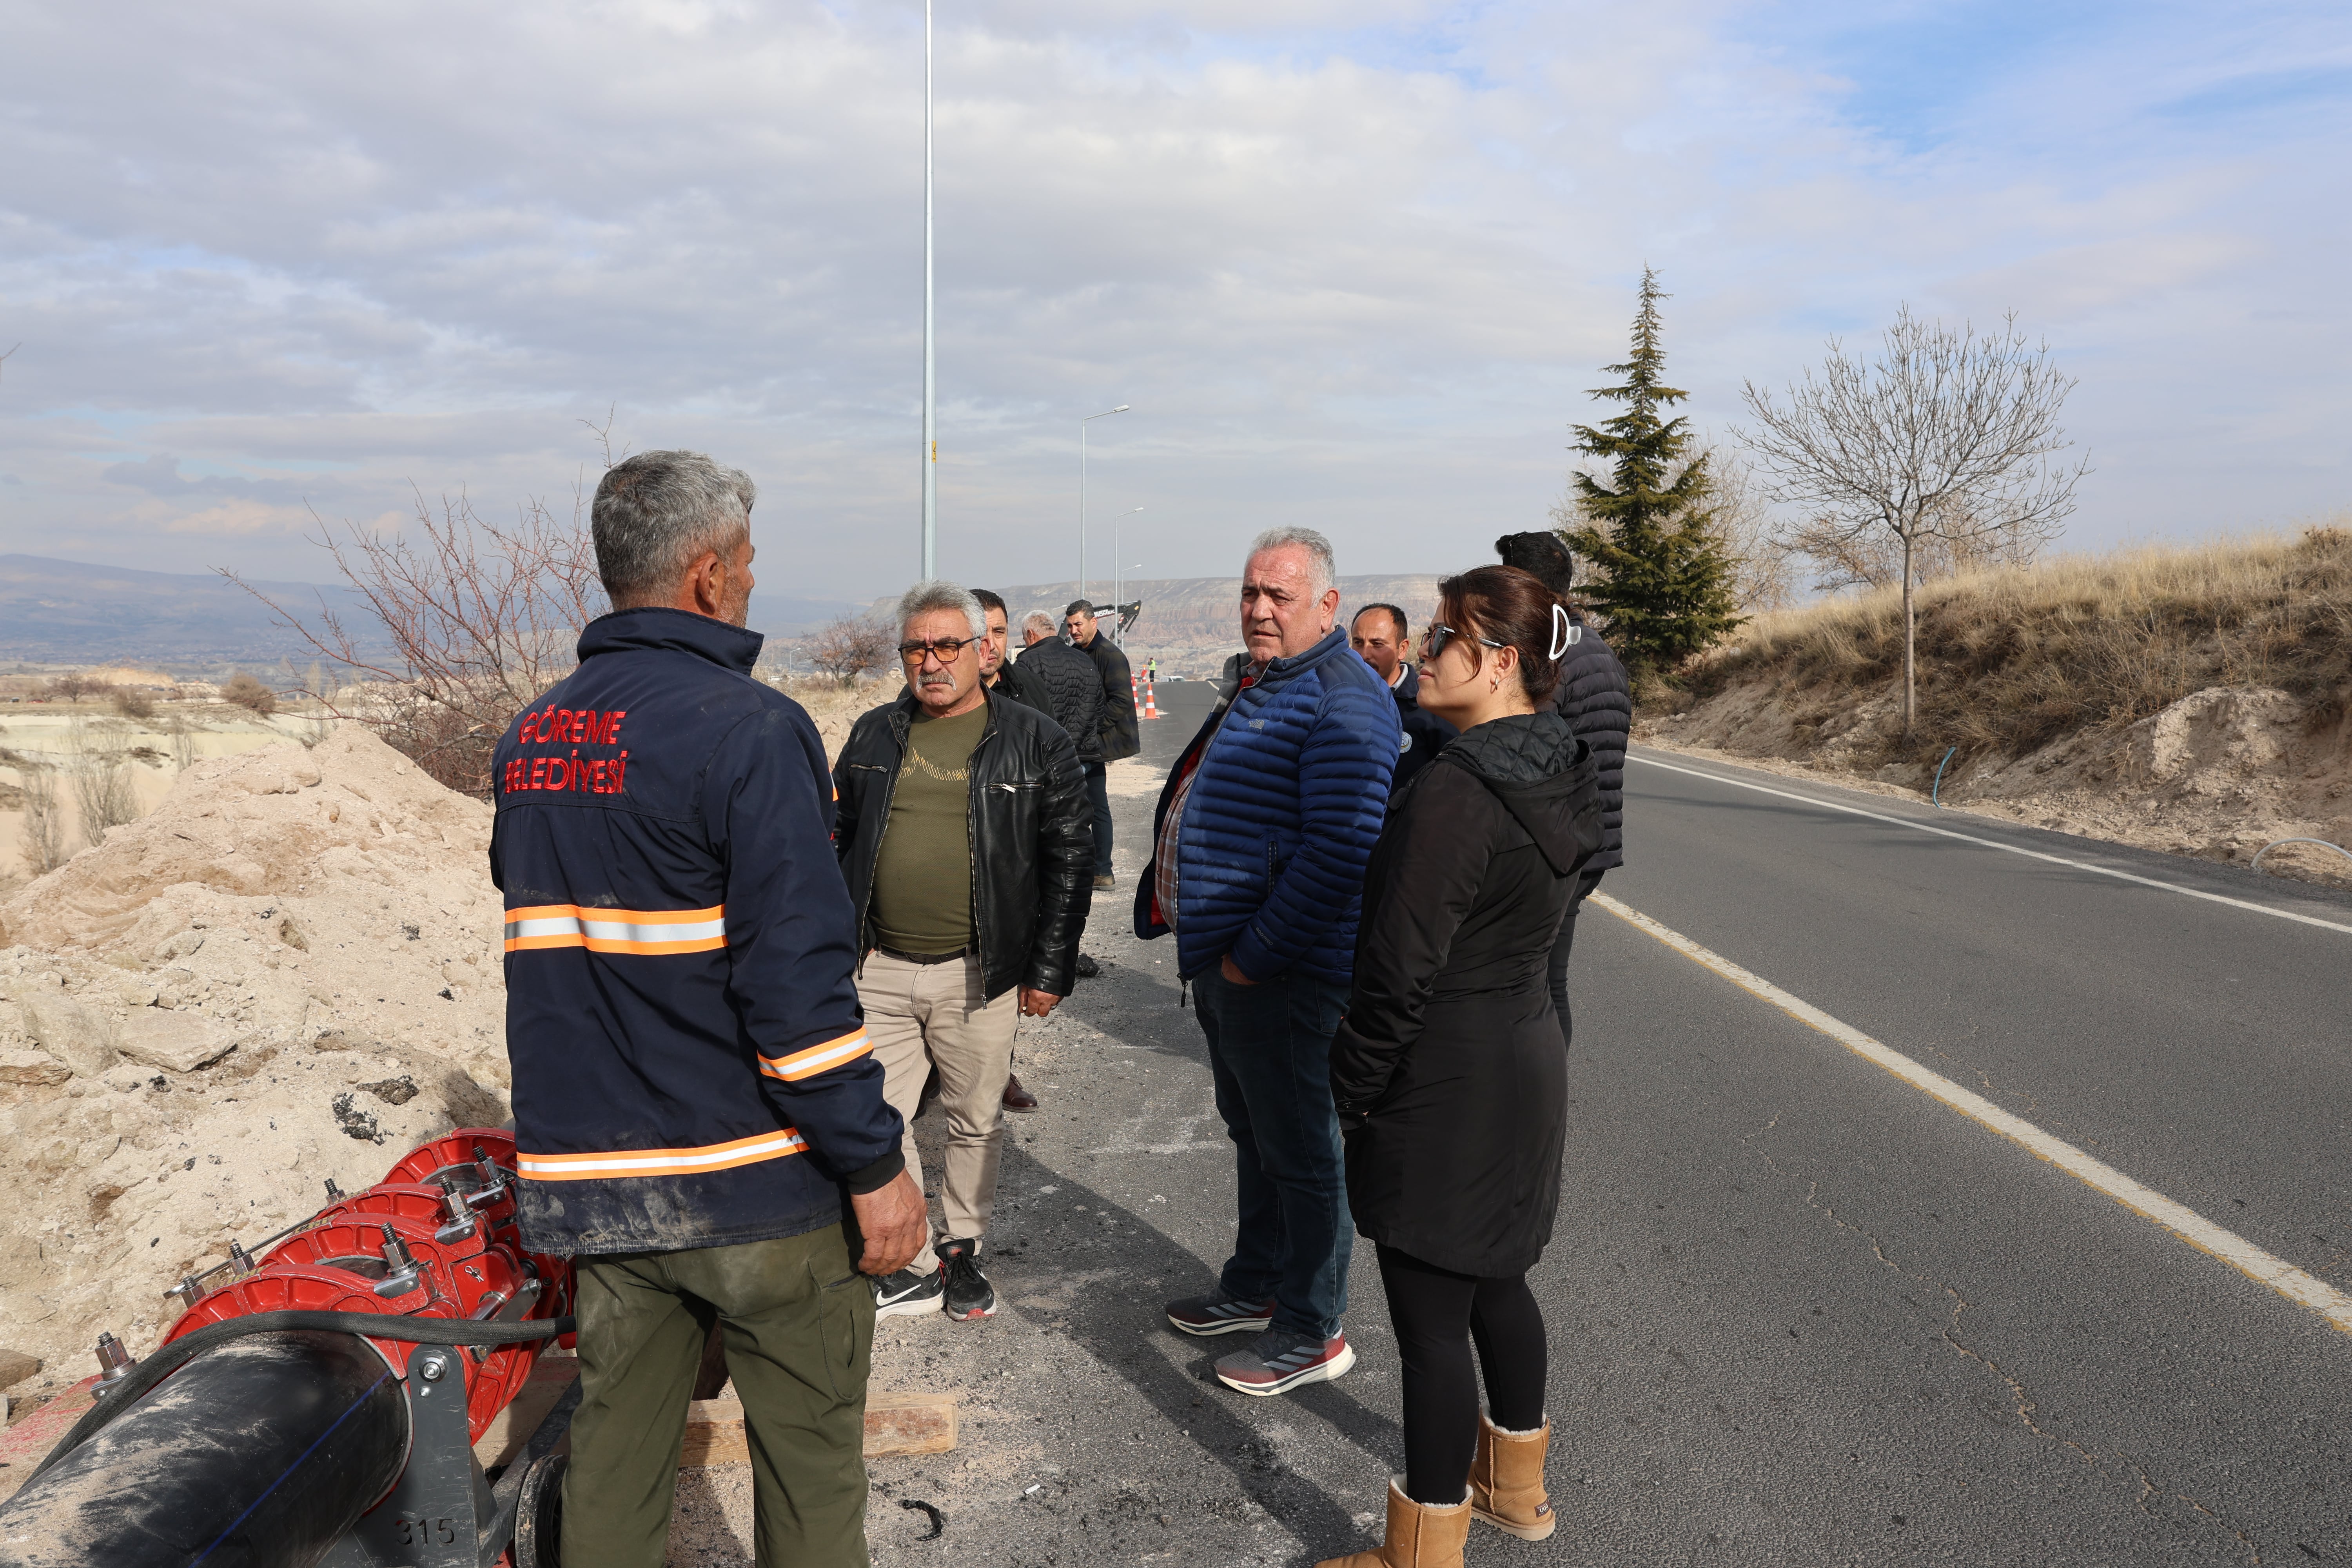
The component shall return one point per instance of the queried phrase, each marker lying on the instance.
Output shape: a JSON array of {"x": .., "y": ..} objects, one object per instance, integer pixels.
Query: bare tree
[
  {"x": 1946, "y": 435},
  {"x": 480, "y": 618},
  {"x": 41, "y": 838},
  {"x": 852, "y": 646},
  {"x": 1764, "y": 567}
]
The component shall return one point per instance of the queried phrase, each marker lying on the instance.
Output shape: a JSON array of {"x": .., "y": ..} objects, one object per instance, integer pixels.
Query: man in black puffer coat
[{"x": 1597, "y": 699}]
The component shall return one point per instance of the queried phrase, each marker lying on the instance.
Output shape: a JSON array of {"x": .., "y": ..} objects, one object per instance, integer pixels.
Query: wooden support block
[
  {"x": 28, "y": 1442},
  {"x": 15, "y": 1366},
  {"x": 510, "y": 1428},
  {"x": 895, "y": 1425}
]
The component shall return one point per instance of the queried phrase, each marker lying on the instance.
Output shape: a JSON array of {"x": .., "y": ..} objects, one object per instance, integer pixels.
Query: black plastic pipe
[
  {"x": 259, "y": 1454},
  {"x": 252, "y": 1443}
]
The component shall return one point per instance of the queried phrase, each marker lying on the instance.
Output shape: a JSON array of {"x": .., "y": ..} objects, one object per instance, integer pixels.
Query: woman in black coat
[{"x": 1449, "y": 1072}]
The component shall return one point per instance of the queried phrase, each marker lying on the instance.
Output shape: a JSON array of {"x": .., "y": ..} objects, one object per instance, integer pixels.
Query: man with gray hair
[
  {"x": 962, "y": 831},
  {"x": 695, "y": 1094},
  {"x": 1259, "y": 845}
]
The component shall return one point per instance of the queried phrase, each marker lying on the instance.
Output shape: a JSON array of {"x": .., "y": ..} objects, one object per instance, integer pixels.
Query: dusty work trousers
[
  {"x": 922, "y": 1015},
  {"x": 797, "y": 1320}
]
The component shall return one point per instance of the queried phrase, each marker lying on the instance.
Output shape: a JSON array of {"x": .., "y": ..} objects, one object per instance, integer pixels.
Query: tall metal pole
[
  {"x": 1081, "y": 490},
  {"x": 930, "y": 426}
]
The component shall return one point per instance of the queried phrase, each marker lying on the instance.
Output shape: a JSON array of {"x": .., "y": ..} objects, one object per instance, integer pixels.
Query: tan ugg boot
[
  {"x": 1418, "y": 1536},
  {"x": 1506, "y": 1486}
]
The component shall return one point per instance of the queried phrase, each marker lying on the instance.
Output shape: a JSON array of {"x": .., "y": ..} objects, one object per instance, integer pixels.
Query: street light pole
[
  {"x": 1082, "y": 488},
  {"x": 1131, "y": 512},
  {"x": 931, "y": 428}
]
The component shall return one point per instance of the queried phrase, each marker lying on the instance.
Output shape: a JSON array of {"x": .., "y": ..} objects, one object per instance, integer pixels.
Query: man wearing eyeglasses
[{"x": 962, "y": 828}]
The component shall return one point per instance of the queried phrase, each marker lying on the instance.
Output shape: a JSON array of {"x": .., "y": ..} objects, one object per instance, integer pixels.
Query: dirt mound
[
  {"x": 288, "y": 972},
  {"x": 2218, "y": 774}
]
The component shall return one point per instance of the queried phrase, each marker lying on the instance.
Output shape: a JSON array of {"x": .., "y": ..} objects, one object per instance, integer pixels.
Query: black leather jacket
[{"x": 1032, "y": 849}]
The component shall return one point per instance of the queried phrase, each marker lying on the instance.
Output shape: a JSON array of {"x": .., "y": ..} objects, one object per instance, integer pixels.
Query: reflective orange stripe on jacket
[
  {"x": 642, "y": 931},
  {"x": 661, "y": 1162},
  {"x": 817, "y": 1058}
]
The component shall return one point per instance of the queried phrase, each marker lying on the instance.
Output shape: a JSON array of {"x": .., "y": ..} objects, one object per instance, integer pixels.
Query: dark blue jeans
[
  {"x": 1098, "y": 792},
  {"x": 1270, "y": 1054}
]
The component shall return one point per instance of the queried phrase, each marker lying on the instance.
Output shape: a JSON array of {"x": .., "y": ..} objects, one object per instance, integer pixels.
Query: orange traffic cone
[{"x": 1151, "y": 703}]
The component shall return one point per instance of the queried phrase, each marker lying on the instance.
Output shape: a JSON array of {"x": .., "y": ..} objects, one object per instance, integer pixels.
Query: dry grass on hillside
[{"x": 2012, "y": 659}]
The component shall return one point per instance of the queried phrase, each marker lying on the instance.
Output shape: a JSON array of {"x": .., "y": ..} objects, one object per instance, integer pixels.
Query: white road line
[
  {"x": 1996, "y": 844},
  {"x": 2302, "y": 1288}
]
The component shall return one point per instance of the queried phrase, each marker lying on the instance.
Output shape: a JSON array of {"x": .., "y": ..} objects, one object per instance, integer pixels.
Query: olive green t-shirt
[{"x": 922, "y": 878}]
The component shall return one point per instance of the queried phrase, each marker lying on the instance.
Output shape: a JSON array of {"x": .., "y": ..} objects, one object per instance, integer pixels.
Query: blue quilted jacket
[{"x": 1271, "y": 846}]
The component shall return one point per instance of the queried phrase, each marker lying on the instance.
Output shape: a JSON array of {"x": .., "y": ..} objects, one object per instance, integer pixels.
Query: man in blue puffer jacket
[{"x": 1258, "y": 852}]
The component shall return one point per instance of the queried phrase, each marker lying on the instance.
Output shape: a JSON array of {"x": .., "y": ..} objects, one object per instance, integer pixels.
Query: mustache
[{"x": 930, "y": 678}]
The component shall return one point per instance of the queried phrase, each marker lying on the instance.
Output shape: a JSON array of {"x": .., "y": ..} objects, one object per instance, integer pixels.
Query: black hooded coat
[{"x": 1449, "y": 1070}]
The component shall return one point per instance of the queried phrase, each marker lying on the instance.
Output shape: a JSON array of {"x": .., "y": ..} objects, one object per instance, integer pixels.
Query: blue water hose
[{"x": 1936, "y": 795}]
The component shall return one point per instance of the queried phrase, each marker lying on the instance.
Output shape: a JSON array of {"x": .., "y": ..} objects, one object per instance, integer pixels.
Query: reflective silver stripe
[{"x": 616, "y": 931}]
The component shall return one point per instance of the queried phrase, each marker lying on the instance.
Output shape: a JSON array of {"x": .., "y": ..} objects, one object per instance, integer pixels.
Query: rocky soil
[{"x": 288, "y": 972}]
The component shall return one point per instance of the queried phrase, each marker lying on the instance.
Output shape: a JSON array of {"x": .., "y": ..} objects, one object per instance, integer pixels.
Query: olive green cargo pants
[{"x": 797, "y": 1320}]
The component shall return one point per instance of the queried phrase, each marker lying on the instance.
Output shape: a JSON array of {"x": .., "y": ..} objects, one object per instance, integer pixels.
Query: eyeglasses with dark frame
[
  {"x": 947, "y": 649},
  {"x": 1434, "y": 637}
]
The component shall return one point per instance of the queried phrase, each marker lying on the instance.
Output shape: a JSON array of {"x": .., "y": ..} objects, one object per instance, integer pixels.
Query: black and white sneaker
[
  {"x": 908, "y": 1294},
  {"x": 969, "y": 1293}
]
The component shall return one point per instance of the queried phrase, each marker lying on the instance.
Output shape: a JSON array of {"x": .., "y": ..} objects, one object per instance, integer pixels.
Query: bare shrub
[
  {"x": 183, "y": 745},
  {"x": 852, "y": 646},
  {"x": 1764, "y": 567},
  {"x": 247, "y": 691},
  {"x": 41, "y": 836},
  {"x": 74, "y": 687},
  {"x": 133, "y": 703},
  {"x": 481, "y": 618},
  {"x": 101, "y": 782}
]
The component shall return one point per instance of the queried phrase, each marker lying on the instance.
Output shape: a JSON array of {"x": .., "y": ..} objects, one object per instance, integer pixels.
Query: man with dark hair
[
  {"x": 1595, "y": 698},
  {"x": 1379, "y": 634},
  {"x": 1120, "y": 737},
  {"x": 697, "y": 1100}
]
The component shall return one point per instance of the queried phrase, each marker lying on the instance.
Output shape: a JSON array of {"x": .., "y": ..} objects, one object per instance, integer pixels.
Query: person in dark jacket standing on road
[
  {"x": 1120, "y": 736},
  {"x": 1595, "y": 698},
  {"x": 1258, "y": 849},
  {"x": 963, "y": 835},
  {"x": 1379, "y": 634},
  {"x": 1449, "y": 1071},
  {"x": 694, "y": 1090}
]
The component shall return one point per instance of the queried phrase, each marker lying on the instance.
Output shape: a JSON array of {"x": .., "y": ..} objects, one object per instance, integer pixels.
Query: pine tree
[{"x": 1669, "y": 591}]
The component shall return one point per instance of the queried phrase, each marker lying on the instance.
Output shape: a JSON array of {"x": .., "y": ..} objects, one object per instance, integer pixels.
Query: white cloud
[{"x": 1352, "y": 264}]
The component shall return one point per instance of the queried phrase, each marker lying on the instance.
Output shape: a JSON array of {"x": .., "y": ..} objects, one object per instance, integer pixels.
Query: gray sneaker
[
  {"x": 1218, "y": 1313},
  {"x": 1279, "y": 1359}
]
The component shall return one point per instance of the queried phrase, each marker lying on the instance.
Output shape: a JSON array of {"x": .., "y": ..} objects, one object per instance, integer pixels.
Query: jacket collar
[
  {"x": 659, "y": 629},
  {"x": 1281, "y": 669}
]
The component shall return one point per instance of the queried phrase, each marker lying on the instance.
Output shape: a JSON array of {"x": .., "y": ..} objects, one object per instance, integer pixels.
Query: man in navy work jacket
[
  {"x": 696, "y": 1102},
  {"x": 1258, "y": 852}
]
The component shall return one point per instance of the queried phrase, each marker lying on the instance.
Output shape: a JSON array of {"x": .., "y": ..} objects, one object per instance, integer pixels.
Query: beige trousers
[{"x": 922, "y": 1015}]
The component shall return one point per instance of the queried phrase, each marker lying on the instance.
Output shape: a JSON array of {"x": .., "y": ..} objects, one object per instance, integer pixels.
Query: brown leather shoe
[{"x": 1017, "y": 1097}]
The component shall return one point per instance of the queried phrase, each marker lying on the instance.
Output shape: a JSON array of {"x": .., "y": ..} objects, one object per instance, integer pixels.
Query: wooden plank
[
  {"x": 28, "y": 1442},
  {"x": 895, "y": 1425},
  {"x": 15, "y": 1366},
  {"x": 510, "y": 1428}
]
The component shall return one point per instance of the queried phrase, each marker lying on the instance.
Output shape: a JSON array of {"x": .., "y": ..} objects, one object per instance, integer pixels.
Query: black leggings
[{"x": 1437, "y": 1313}]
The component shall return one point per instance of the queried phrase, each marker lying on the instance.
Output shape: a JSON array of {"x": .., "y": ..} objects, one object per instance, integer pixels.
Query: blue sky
[{"x": 1354, "y": 265}]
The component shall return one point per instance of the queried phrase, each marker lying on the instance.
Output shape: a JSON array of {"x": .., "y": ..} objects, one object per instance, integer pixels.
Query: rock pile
[{"x": 288, "y": 972}]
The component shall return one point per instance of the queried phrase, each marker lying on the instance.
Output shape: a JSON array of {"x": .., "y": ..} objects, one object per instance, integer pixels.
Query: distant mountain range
[{"x": 70, "y": 612}]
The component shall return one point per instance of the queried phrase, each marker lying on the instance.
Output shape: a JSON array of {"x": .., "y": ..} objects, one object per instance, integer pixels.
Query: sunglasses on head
[{"x": 1434, "y": 637}]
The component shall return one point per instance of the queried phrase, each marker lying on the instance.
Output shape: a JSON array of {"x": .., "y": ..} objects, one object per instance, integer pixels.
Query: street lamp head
[{"x": 1123, "y": 408}]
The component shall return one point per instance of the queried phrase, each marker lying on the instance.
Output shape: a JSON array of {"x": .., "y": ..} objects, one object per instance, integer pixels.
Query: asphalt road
[{"x": 1801, "y": 1311}]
